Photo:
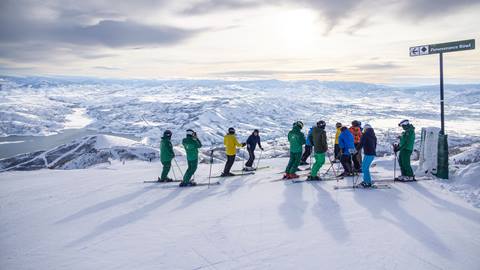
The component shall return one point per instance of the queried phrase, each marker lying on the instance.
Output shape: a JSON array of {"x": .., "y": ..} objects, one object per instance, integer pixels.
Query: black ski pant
[
  {"x": 306, "y": 154},
  {"x": 346, "y": 163},
  {"x": 251, "y": 157},
  {"x": 229, "y": 164},
  {"x": 357, "y": 159},
  {"x": 336, "y": 151}
]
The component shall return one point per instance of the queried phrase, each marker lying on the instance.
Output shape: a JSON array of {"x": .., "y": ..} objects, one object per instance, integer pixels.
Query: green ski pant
[
  {"x": 319, "y": 161},
  {"x": 166, "y": 169},
  {"x": 192, "y": 167},
  {"x": 293, "y": 162},
  {"x": 404, "y": 162}
]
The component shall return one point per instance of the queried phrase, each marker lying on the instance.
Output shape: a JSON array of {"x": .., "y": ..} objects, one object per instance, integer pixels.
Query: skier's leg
[
  {"x": 295, "y": 162},
  {"x": 336, "y": 151},
  {"x": 306, "y": 154},
  {"x": 290, "y": 163},
  {"x": 251, "y": 158},
  {"x": 408, "y": 166},
  {"x": 193, "y": 164},
  {"x": 188, "y": 174},
  {"x": 229, "y": 164},
  {"x": 319, "y": 161},
  {"x": 367, "y": 161},
  {"x": 166, "y": 169}
]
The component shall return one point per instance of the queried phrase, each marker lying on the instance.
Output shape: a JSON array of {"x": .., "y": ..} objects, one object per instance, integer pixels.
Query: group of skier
[{"x": 349, "y": 144}]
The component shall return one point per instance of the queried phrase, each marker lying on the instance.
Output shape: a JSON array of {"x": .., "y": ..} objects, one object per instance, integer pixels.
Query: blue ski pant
[{"x": 367, "y": 161}]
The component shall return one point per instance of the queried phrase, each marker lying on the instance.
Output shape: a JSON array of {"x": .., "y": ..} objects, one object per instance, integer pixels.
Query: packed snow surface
[{"x": 105, "y": 217}]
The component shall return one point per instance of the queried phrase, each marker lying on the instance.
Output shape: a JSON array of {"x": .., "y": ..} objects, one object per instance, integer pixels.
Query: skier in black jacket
[{"x": 252, "y": 142}]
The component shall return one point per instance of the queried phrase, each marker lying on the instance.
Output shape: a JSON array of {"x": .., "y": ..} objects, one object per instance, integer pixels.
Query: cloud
[
  {"x": 255, "y": 73},
  {"x": 377, "y": 66},
  {"x": 421, "y": 9}
]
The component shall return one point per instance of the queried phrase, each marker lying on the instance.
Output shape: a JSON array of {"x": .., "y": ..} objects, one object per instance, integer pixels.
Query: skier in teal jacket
[
  {"x": 166, "y": 155},
  {"x": 407, "y": 140},
  {"x": 296, "y": 138},
  {"x": 191, "y": 144}
]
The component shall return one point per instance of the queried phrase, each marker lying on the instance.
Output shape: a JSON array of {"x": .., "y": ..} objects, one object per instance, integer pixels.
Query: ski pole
[
  {"x": 178, "y": 167},
  {"x": 211, "y": 164},
  {"x": 173, "y": 170},
  {"x": 395, "y": 166},
  {"x": 258, "y": 162}
]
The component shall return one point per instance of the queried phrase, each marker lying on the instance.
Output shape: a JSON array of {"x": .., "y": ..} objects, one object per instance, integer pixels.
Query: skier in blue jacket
[
  {"x": 252, "y": 142},
  {"x": 347, "y": 149},
  {"x": 308, "y": 148}
]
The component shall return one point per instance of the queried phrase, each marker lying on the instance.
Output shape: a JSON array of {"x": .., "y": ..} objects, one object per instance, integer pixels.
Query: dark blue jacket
[
  {"x": 345, "y": 141},
  {"x": 369, "y": 142},
  {"x": 252, "y": 142}
]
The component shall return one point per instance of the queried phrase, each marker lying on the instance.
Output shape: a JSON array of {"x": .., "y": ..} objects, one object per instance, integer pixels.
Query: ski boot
[
  {"x": 313, "y": 178},
  {"x": 303, "y": 163},
  {"x": 365, "y": 185},
  {"x": 248, "y": 169},
  {"x": 187, "y": 184},
  {"x": 293, "y": 176},
  {"x": 165, "y": 179}
]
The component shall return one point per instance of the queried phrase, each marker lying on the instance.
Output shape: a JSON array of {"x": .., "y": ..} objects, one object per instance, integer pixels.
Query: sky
[{"x": 345, "y": 40}]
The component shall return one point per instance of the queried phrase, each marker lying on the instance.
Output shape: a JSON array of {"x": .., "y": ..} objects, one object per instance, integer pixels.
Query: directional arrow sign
[{"x": 461, "y": 45}]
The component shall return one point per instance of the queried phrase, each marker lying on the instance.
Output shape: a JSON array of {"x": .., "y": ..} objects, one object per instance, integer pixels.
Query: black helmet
[
  {"x": 356, "y": 123},
  {"x": 190, "y": 132},
  {"x": 231, "y": 130},
  {"x": 338, "y": 125},
  {"x": 321, "y": 124},
  {"x": 256, "y": 130},
  {"x": 167, "y": 133},
  {"x": 298, "y": 124}
]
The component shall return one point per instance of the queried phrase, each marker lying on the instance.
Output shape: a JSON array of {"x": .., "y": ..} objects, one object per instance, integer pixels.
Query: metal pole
[{"x": 442, "y": 116}]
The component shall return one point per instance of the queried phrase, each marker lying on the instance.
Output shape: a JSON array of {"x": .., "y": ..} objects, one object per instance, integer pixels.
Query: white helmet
[
  {"x": 367, "y": 126},
  {"x": 404, "y": 123}
]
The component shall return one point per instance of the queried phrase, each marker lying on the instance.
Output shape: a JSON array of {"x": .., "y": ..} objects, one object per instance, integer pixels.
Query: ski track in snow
[{"x": 109, "y": 219}]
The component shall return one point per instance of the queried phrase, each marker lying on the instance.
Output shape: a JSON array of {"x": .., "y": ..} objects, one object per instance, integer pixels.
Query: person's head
[
  {"x": 356, "y": 123},
  {"x": 343, "y": 128},
  {"x": 338, "y": 125},
  {"x": 404, "y": 123},
  {"x": 167, "y": 134},
  {"x": 231, "y": 131},
  {"x": 256, "y": 132},
  {"x": 190, "y": 132},
  {"x": 367, "y": 126},
  {"x": 298, "y": 124},
  {"x": 321, "y": 124}
]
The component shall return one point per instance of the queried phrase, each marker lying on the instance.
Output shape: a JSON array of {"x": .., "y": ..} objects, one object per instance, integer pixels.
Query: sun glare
[{"x": 296, "y": 29}]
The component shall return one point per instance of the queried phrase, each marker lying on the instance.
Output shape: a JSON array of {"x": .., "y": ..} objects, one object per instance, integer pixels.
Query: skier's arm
[
  {"x": 238, "y": 144},
  {"x": 259, "y": 143}
]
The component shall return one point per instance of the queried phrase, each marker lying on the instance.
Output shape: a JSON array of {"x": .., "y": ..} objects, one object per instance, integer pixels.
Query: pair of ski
[
  {"x": 358, "y": 186},
  {"x": 255, "y": 169},
  {"x": 178, "y": 181}
]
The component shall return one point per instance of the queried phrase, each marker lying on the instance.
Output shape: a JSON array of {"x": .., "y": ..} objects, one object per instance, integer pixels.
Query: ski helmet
[
  {"x": 298, "y": 124},
  {"x": 404, "y": 123},
  {"x": 367, "y": 126},
  {"x": 338, "y": 125},
  {"x": 167, "y": 133},
  {"x": 190, "y": 132},
  {"x": 256, "y": 130},
  {"x": 356, "y": 123},
  {"x": 231, "y": 130},
  {"x": 321, "y": 124}
]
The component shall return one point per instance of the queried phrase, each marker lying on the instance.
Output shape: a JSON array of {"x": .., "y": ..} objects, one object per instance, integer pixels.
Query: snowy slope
[{"x": 106, "y": 218}]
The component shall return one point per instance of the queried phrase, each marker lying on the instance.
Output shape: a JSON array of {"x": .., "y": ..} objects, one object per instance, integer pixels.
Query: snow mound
[
  {"x": 470, "y": 155},
  {"x": 466, "y": 183}
]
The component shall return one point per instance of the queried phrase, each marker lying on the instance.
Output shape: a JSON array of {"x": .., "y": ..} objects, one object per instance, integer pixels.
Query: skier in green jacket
[
  {"x": 296, "y": 138},
  {"x": 191, "y": 144},
  {"x": 407, "y": 140},
  {"x": 318, "y": 138},
  {"x": 166, "y": 155}
]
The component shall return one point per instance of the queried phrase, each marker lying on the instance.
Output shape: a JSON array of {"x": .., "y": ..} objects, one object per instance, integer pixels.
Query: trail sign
[
  {"x": 440, "y": 48},
  {"x": 461, "y": 45}
]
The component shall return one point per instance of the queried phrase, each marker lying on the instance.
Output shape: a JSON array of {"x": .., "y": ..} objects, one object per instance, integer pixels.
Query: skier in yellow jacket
[
  {"x": 337, "y": 148},
  {"x": 231, "y": 143}
]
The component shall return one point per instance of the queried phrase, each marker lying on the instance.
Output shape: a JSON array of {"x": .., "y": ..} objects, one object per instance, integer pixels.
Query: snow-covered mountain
[
  {"x": 40, "y": 106},
  {"x": 80, "y": 154}
]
